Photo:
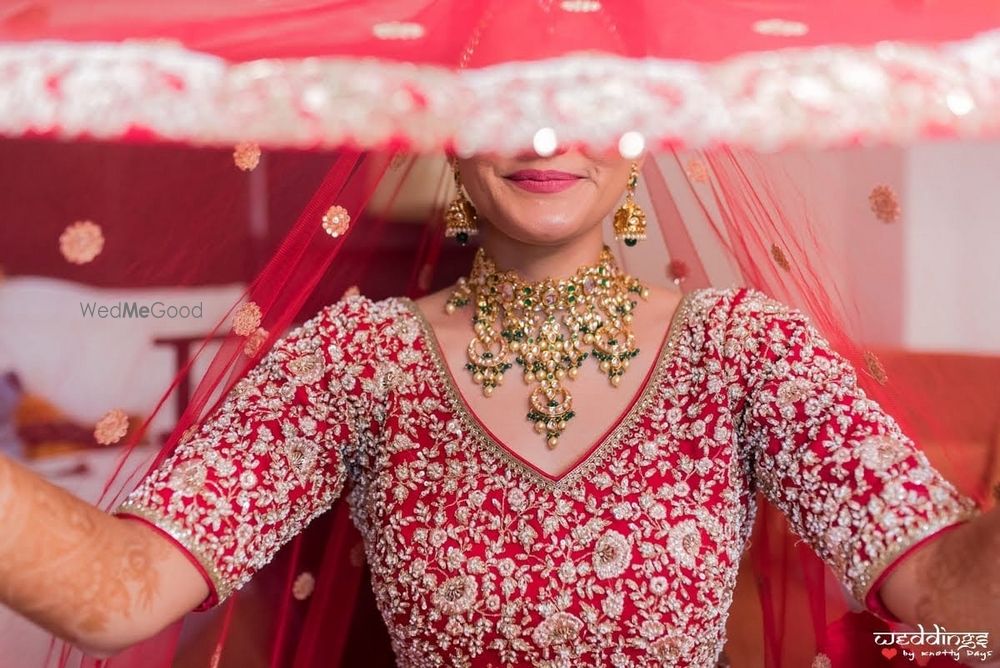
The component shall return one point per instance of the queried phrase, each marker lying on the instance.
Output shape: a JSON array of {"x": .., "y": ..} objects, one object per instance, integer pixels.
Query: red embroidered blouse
[{"x": 479, "y": 559}]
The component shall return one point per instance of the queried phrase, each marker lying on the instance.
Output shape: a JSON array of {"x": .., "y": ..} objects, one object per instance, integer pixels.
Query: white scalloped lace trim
[{"x": 817, "y": 97}]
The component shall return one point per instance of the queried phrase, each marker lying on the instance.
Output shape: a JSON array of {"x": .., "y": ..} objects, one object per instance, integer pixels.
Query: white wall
[
  {"x": 953, "y": 247},
  {"x": 87, "y": 366},
  {"x": 930, "y": 281}
]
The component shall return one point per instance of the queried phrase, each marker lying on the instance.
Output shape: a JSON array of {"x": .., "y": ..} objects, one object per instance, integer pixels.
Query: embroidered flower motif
[
  {"x": 81, "y": 242},
  {"x": 303, "y": 586},
  {"x": 612, "y": 555},
  {"x": 246, "y": 155},
  {"x": 307, "y": 369},
  {"x": 248, "y": 480},
  {"x": 793, "y": 391},
  {"x": 567, "y": 572},
  {"x": 303, "y": 455},
  {"x": 562, "y": 628},
  {"x": 821, "y": 661},
  {"x": 880, "y": 453},
  {"x": 336, "y": 220},
  {"x": 189, "y": 478},
  {"x": 506, "y": 567},
  {"x": 875, "y": 368},
  {"x": 244, "y": 534},
  {"x": 438, "y": 537},
  {"x": 527, "y": 536},
  {"x": 517, "y": 499},
  {"x": 456, "y": 595},
  {"x": 684, "y": 543},
  {"x": 884, "y": 203},
  {"x": 613, "y": 604},
  {"x": 651, "y": 629},
  {"x": 246, "y": 319},
  {"x": 677, "y": 270},
  {"x": 254, "y": 342},
  {"x": 112, "y": 427},
  {"x": 779, "y": 257},
  {"x": 696, "y": 171},
  {"x": 649, "y": 449},
  {"x": 669, "y": 648},
  {"x": 455, "y": 626}
]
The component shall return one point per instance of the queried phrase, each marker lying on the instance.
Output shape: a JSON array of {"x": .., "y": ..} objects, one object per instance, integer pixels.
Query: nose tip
[{"x": 534, "y": 155}]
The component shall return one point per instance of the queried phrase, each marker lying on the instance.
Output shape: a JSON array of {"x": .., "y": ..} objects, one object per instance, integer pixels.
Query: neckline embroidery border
[{"x": 597, "y": 454}]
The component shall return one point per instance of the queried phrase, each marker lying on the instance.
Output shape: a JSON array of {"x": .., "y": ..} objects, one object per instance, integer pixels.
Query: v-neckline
[{"x": 598, "y": 451}]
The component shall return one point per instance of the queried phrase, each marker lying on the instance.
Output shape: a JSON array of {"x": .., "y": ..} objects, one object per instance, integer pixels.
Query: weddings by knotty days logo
[{"x": 963, "y": 645}]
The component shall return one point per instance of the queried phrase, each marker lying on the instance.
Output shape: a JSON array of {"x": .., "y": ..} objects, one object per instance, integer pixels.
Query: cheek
[
  {"x": 611, "y": 190},
  {"x": 604, "y": 197},
  {"x": 484, "y": 190}
]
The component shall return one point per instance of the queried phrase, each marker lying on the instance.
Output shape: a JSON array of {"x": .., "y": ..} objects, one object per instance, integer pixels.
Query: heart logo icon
[{"x": 889, "y": 652}]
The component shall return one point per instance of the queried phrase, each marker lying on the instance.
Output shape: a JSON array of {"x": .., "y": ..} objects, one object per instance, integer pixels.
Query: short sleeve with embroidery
[{"x": 266, "y": 462}]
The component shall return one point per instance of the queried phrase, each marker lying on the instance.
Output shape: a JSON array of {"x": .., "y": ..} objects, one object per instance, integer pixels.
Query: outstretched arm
[
  {"x": 101, "y": 582},
  {"x": 953, "y": 581},
  {"x": 858, "y": 489},
  {"x": 228, "y": 496}
]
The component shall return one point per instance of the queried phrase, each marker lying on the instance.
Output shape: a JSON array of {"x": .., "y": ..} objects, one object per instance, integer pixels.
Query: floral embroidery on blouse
[{"x": 630, "y": 559}]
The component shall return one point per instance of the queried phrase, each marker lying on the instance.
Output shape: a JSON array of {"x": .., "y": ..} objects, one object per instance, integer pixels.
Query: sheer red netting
[{"x": 363, "y": 87}]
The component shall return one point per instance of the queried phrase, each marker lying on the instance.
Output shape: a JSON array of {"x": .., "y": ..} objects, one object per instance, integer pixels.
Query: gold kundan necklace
[{"x": 548, "y": 326}]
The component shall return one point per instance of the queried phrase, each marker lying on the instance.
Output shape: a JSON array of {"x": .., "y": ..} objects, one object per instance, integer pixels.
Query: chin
[{"x": 548, "y": 231}]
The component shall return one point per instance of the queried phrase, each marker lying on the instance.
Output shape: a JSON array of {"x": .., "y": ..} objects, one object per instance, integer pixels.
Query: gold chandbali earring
[
  {"x": 460, "y": 217},
  {"x": 630, "y": 219},
  {"x": 547, "y": 326}
]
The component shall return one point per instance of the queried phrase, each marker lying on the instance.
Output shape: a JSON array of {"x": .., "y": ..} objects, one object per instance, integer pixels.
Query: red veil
[{"x": 351, "y": 105}]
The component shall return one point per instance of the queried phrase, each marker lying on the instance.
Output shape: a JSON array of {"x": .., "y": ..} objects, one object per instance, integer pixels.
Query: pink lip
[{"x": 543, "y": 181}]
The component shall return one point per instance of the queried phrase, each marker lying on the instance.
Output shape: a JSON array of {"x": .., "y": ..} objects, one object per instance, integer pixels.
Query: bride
[{"x": 551, "y": 464}]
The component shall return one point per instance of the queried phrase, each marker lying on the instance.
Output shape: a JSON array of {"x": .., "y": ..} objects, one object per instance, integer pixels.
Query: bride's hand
[
  {"x": 953, "y": 581},
  {"x": 100, "y": 582}
]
